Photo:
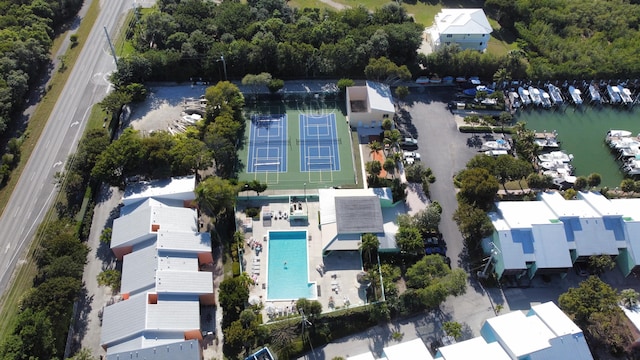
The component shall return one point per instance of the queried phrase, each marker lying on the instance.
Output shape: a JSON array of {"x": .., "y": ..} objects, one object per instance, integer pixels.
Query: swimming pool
[{"x": 287, "y": 266}]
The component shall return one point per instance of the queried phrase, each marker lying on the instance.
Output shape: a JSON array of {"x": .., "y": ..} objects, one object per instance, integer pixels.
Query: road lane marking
[
  {"x": 57, "y": 163},
  {"x": 6, "y": 249},
  {"x": 15, "y": 213},
  {"x": 74, "y": 123}
]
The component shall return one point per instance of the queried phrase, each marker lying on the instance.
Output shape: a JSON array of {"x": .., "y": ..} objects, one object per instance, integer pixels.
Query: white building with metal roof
[
  {"x": 347, "y": 214},
  {"x": 369, "y": 105},
  {"x": 469, "y": 28},
  {"x": 177, "y": 188},
  {"x": 551, "y": 234},
  {"x": 163, "y": 283},
  {"x": 544, "y": 332},
  {"x": 145, "y": 223}
]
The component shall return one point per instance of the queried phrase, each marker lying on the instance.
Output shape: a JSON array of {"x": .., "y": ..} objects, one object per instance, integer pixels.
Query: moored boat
[
  {"x": 558, "y": 155},
  {"x": 524, "y": 96},
  {"x": 556, "y": 96},
  {"x": 576, "y": 95},
  {"x": 632, "y": 166},
  {"x": 546, "y": 99},
  {"x": 614, "y": 94},
  {"x": 625, "y": 95},
  {"x": 535, "y": 95},
  {"x": 594, "y": 94}
]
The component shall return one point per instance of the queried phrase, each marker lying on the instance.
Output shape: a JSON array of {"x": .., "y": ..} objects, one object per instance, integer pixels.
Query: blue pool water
[{"x": 288, "y": 271}]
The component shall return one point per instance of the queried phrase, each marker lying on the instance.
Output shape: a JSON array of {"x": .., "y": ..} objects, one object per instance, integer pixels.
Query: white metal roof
[
  {"x": 555, "y": 319},
  {"x": 476, "y": 348},
  {"x": 632, "y": 230},
  {"x": 184, "y": 282},
  {"x": 630, "y": 208},
  {"x": 551, "y": 248},
  {"x": 594, "y": 239},
  {"x": 124, "y": 319},
  {"x": 414, "y": 349},
  {"x": 511, "y": 254},
  {"x": 567, "y": 208},
  {"x": 145, "y": 203},
  {"x": 177, "y": 262},
  {"x": 160, "y": 349},
  {"x": 176, "y": 188},
  {"x": 521, "y": 335},
  {"x": 379, "y": 96},
  {"x": 139, "y": 271},
  {"x": 191, "y": 242},
  {"x": 131, "y": 228},
  {"x": 522, "y": 214},
  {"x": 462, "y": 21},
  {"x": 600, "y": 204},
  {"x": 174, "y": 315}
]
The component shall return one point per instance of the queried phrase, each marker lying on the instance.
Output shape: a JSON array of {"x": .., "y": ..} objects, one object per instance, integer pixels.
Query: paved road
[
  {"x": 35, "y": 190},
  {"x": 444, "y": 149}
]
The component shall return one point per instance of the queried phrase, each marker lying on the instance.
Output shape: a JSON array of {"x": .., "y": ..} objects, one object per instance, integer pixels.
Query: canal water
[{"x": 581, "y": 133}]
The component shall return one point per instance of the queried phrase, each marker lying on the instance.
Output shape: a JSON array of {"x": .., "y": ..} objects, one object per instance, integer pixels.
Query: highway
[{"x": 35, "y": 191}]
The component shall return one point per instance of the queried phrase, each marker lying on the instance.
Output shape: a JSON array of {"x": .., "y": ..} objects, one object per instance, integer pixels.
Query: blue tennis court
[
  {"x": 268, "y": 144},
  {"x": 319, "y": 143}
]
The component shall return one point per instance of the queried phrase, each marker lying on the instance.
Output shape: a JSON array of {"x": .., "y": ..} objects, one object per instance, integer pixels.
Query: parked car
[
  {"x": 422, "y": 80},
  {"x": 409, "y": 142},
  {"x": 411, "y": 154}
]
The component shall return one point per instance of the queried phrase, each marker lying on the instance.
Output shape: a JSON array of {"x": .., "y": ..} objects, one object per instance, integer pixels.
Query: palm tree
[
  {"x": 392, "y": 137},
  {"x": 370, "y": 243},
  {"x": 390, "y": 167},
  {"x": 375, "y": 146}
]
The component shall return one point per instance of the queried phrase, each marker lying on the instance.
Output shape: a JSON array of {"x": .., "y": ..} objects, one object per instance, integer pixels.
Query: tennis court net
[{"x": 318, "y": 141}]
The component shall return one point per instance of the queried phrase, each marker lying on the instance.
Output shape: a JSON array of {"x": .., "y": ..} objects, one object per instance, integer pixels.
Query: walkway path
[{"x": 336, "y": 5}]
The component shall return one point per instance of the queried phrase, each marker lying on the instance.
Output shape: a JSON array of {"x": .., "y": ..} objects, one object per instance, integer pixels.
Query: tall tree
[
  {"x": 369, "y": 245},
  {"x": 215, "y": 196}
]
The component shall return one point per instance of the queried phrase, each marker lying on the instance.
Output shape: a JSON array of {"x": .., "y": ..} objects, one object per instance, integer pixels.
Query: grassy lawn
[{"x": 24, "y": 274}]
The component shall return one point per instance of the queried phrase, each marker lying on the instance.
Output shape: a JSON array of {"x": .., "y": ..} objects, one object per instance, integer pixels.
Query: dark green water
[{"x": 582, "y": 133}]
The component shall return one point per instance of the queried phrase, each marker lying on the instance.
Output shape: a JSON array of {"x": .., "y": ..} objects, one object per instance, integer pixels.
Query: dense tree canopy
[{"x": 268, "y": 36}]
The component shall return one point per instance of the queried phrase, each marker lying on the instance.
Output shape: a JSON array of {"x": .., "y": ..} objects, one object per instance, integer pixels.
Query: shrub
[{"x": 252, "y": 212}]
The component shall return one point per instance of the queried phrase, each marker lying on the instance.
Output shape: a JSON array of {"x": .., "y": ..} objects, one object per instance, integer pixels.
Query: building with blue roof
[{"x": 550, "y": 235}]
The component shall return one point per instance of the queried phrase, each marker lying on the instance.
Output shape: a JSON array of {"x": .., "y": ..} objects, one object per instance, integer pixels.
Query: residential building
[
  {"x": 544, "y": 332},
  {"x": 413, "y": 349},
  {"x": 347, "y": 214},
  {"x": 369, "y": 105},
  {"x": 165, "y": 275},
  {"x": 469, "y": 28},
  {"x": 550, "y": 235}
]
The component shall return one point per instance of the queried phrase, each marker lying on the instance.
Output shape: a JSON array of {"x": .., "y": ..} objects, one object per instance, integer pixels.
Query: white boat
[
  {"x": 623, "y": 142},
  {"x": 594, "y": 93},
  {"x": 560, "y": 178},
  {"x": 631, "y": 151},
  {"x": 514, "y": 99},
  {"x": 499, "y": 144},
  {"x": 618, "y": 133},
  {"x": 625, "y": 95},
  {"x": 576, "y": 95},
  {"x": 547, "y": 143},
  {"x": 556, "y": 156},
  {"x": 496, "y": 153},
  {"x": 546, "y": 99},
  {"x": 535, "y": 95},
  {"x": 632, "y": 166},
  {"x": 614, "y": 94},
  {"x": 524, "y": 96},
  {"x": 556, "y": 165},
  {"x": 554, "y": 93}
]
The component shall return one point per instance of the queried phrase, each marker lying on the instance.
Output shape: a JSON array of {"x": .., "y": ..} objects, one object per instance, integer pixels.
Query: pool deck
[{"x": 337, "y": 284}]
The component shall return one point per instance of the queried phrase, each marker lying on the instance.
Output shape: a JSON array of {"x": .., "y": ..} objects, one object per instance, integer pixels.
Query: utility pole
[
  {"x": 224, "y": 66},
  {"x": 113, "y": 50}
]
